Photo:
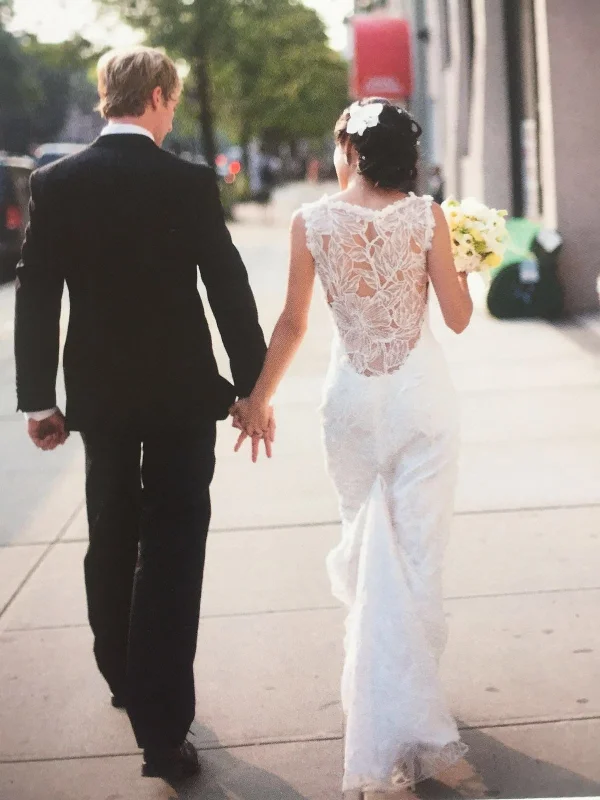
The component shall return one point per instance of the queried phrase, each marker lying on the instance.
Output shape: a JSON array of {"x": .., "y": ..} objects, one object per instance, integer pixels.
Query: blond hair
[{"x": 127, "y": 78}]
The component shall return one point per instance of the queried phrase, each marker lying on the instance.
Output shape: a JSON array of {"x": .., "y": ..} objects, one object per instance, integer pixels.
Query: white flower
[
  {"x": 363, "y": 117},
  {"x": 479, "y": 234}
]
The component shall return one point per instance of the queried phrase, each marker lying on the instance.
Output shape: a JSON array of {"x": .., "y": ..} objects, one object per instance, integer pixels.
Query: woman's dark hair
[{"x": 387, "y": 153}]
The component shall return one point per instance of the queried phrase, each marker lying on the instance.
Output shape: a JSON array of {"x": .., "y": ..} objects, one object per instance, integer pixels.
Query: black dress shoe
[
  {"x": 117, "y": 701},
  {"x": 172, "y": 764}
]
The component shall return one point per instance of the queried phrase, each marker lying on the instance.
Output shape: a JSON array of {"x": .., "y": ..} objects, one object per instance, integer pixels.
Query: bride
[{"x": 391, "y": 435}]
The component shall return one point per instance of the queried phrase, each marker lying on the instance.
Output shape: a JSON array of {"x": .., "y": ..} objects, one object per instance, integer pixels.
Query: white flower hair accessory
[{"x": 363, "y": 117}]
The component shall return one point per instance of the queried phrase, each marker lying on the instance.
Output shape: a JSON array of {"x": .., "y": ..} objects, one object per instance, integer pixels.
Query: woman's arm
[
  {"x": 254, "y": 413},
  {"x": 450, "y": 286}
]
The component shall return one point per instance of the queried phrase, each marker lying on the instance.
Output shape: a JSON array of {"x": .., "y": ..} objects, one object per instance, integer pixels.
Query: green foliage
[
  {"x": 53, "y": 69},
  {"x": 232, "y": 194},
  {"x": 284, "y": 80},
  {"x": 73, "y": 54},
  {"x": 176, "y": 24},
  {"x": 17, "y": 94},
  {"x": 37, "y": 84},
  {"x": 360, "y": 6},
  {"x": 6, "y": 7},
  {"x": 270, "y": 70}
]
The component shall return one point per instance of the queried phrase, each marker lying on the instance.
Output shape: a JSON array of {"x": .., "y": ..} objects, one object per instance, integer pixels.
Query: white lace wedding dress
[{"x": 391, "y": 430}]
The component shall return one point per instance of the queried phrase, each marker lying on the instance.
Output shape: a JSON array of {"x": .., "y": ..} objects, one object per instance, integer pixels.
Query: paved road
[{"x": 522, "y": 584}]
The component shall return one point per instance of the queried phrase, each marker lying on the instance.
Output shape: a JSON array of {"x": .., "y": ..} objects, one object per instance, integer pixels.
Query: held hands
[
  {"x": 256, "y": 421},
  {"x": 49, "y": 433}
]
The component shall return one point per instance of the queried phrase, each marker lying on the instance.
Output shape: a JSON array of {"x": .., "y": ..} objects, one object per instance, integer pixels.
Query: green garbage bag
[{"x": 526, "y": 284}]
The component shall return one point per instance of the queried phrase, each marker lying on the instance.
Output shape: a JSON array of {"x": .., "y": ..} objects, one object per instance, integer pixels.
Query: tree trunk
[
  {"x": 202, "y": 79},
  {"x": 245, "y": 141}
]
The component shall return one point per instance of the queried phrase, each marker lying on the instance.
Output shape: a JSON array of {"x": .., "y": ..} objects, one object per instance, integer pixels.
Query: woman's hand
[
  {"x": 253, "y": 414},
  {"x": 256, "y": 420}
]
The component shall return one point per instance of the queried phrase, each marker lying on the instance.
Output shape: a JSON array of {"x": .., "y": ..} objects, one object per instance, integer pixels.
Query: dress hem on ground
[{"x": 416, "y": 764}]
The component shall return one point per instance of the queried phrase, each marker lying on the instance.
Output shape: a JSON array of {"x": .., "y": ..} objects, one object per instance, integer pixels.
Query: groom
[{"x": 126, "y": 225}]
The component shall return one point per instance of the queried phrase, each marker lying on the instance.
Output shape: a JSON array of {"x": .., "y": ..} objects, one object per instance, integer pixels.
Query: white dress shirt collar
[{"x": 123, "y": 127}]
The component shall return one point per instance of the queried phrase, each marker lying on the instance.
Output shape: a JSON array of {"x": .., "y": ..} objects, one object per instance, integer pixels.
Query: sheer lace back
[{"x": 372, "y": 264}]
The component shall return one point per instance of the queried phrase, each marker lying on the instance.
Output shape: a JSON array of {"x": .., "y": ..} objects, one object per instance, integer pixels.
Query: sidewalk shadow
[
  {"x": 491, "y": 770},
  {"x": 225, "y": 776},
  {"x": 495, "y": 770}
]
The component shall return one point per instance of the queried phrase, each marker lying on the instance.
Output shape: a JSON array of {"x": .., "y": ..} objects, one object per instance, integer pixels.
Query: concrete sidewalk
[{"x": 522, "y": 586}]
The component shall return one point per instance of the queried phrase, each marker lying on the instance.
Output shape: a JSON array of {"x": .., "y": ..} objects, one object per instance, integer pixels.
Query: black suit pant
[{"x": 148, "y": 507}]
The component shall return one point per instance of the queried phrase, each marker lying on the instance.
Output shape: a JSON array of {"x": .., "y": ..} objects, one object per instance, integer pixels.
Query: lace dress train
[{"x": 391, "y": 434}]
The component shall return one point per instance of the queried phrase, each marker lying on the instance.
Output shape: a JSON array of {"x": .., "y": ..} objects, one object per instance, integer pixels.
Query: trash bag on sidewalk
[{"x": 527, "y": 285}]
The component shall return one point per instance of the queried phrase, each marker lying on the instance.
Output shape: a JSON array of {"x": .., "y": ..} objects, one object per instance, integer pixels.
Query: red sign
[{"x": 382, "y": 58}]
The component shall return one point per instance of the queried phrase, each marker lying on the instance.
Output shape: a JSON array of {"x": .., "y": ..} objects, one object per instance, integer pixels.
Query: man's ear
[{"x": 156, "y": 98}]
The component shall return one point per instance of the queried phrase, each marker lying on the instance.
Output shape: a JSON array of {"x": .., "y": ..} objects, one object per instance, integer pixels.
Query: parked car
[
  {"x": 14, "y": 210},
  {"x": 52, "y": 151}
]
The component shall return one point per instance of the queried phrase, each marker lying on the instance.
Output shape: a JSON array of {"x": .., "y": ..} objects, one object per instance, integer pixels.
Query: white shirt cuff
[{"x": 38, "y": 416}]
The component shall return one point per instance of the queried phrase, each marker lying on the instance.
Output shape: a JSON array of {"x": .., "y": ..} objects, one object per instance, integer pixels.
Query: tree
[
  {"x": 13, "y": 84},
  {"x": 258, "y": 66},
  {"x": 17, "y": 92},
  {"x": 55, "y": 70},
  {"x": 194, "y": 30},
  {"x": 287, "y": 83},
  {"x": 6, "y": 8},
  {"x": 36, "y": 86}
]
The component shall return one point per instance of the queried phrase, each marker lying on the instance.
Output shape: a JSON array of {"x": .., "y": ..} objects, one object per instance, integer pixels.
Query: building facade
[
  {"x": 512, "y": 85},
  {"x": 506, "y": 93}
]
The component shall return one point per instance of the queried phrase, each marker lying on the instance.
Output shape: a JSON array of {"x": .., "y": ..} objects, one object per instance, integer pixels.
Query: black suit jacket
[{"x": 125, "y": 225}]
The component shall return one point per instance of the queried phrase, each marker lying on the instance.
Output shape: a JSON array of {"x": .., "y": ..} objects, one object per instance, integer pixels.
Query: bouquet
[{"x": 479, "y": 235}]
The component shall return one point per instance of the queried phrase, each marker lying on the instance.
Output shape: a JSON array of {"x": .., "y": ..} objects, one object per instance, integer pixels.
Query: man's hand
[
  {"x": 255, "y": 421},
  {"x": 49, "y": 433}
]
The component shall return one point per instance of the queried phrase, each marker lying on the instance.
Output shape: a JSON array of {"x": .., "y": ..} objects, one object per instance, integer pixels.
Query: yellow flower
[{"x": 493, "y": 260}]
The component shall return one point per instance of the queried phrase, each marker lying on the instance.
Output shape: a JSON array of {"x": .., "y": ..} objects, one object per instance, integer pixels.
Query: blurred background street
[{"x": 508, "y": 118}]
